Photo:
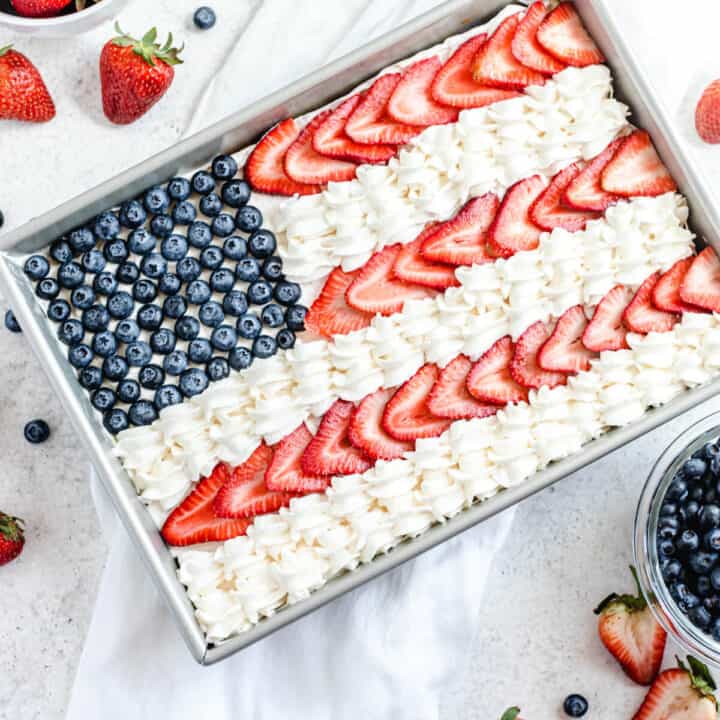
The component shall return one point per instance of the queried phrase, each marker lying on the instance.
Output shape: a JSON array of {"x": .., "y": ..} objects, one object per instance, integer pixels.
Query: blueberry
[
  {"x": 264, "y": 346},
  {"x": 200, "y": 350},
  {"x": 156, "y": 200},
  {"x": 127, "y": 331},
  {"x": 70, "y": 275},
  {"x": 132, "y": 214},
  {"x": 162, "y": 225},
  {"x": 666, "y": 531},
  {"x": 174, "y": 248},
  {"x": 95, "y": 318},
  {"x": 175, "y": 362},
  {"x": 187, "y": 328},
  {"x": 167, "y": 395},
  {"x": 142, "y": 412},
  {"x": 103, "y": 399},
  {"x": 235, "y": 303},
  {"x": 47, "y": 289},
  {"x": 144, "y": 291},
  {"x": 90, "y": 377},
  {"x": 715, "y": 578},
  {"x": 198, "y": 292},
  {"x": 199, "y": 234},
  {"x": 104, "y": 344},
  {"x": 287, "y": 293},
  {"x": 211, "y": 257},
  {"x": 179, "y": 188},
  {"x": 151, "y": 377},
  {"x": 259, "y": 292},
  {"x": 703, "y": 587},
  {"x": 82, "y": 297},
  {"x": 711, "y": 496},
  {"x": 715, "y": 630},
  {"x": 709, "y": 516},
  {"x": 249, "y": 326},
  {"x": 80, "y": 356},
  {"x": 188, "y": 269},
  {"x": 127, "y": 273},
  {"x": 709, "y": 451},
  {"x": 222, "y": 280},
  {"x": 701, "y": 563},
  {"x": 175, "y": 306},
  {"x": 128, "y": 391},
  {"x": 81, "y": 240},
  {"x": 272, "y": 315},
  {"x": 687, "y": 542},
  {"x": 154, "y": 265},
  {"x": 116, "y": 251},
  {"x": 36, "y": 267},
  {"x": 286, "y": 339},
  {"x": 149, "y": 317},
  {"x": 217, "y": 369},
  {"x": 12, "y": 324},
  {"x": 93, "y": 261},
  {"x": 666, "y": 548},
  {"x": 211, "y": 314},
  {"x": 235, "y": 193},
  {"x": 163, "y": 341},
  {"x": 262, "y": 244},
  {"x": 575, "y": 706},
  {"x": 58, "y": 310},
  {"x": 116, "y": 421},
  {"x": 272, "y": 268},
  {"x": 711, "y": 541},
  {"x": 672, "y": 570},
  {"x": 138, "y": 353},
  {"x": 71, "y": 332},
  {"x": 36, "y": 431},
  {"x": 169, "y": 284},
  {"x": 224, "y": 338},
  {"x": 204, "y": 18},
  {"x": 211, "y": 205},
  {"x": 106, "y": 227},
  {"x": 141, "y": 242},
  {"x": 248, "y": 270},
  {"x": 193, "y": 382},
  {"x": 700, "y": 617},
  {"x": 61, "y": 252},
  {"x": 120, "y": 305},
  {"x": 240, "y": 358},
  {"x": 223, "y": 225},
  {"x": 248, "y": 219},
  {"x": 105, "y": 283},
  {"x": 715, "y": 466},
  {"x": 712, "y": 604},
  {"x": 184, "y": 213},
  {"x": 225, "y": 167},
  {"x": 695, "y": 494},
  {"x": 203, "y": 182},
  {"x": 235, "y": 248},
  {"x": 694, "y": 468},
  {"x": 683, "y": 595}
]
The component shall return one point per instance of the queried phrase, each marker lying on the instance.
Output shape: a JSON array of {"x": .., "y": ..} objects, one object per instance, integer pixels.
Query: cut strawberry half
[
  {"x": 411, "y": 267},
  {"x": 194, "y": 520},
  {"x": 512, "y": 230},
  {"x": 304, "y": 164},
  {"x": 265, "y": 168},
  {"x": 330, "y": 452},
  {"x": 330, "y": 315},
  {"x": 548, "y": 211},
  {"x": 636, "y": 169},
  {"x": 412, "y": 102},
  {"x": 376, "y": 289},
  {"x": 461, "y": 241},
  {"x": 666, "y": 294},
  {"x": 564, "y": 36},
  {"x": 490, "y": 380},
  {"x": 367, "y": 433},
  {"x": 641, "y": 316},
  {"x": 585, "y": 192},
  {"x": 369, "y": 122},
  {"x": 525, "y": 45},
  {"x": 406, "y": 416},
  {"x": 496, "y": 66},
  {"x": 285, "y": 473},
  {"x": 455, "y": 86},
  {"x": 564, "y": 351},
  {"x": 701, "y": 285},
  {"x": 524, "y": 367},
  {"x": 450, "y": 398},
  {"x": 606, "y": 330},
  {"x": 330, "y": 138}
]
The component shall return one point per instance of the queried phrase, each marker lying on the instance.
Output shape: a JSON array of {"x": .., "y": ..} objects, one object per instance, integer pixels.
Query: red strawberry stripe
[
  {"x": 585, "y": 192},
  {"x": 525, "y": 46},
  {"x": 524, "y": 367},
  {"x": 450, "y": 398},
  {"x": 641, "y": 316},
  {"x": 285, "y": 473},
  {"x": 563, "y": 35},
  {"x": 606, "y": 330},
  {"x": 490, "y": 380},
  {"x": 666, "y": 294},
  {"x": 411, "y": 267},
  {"x": 564, "y": 351},
  {"x": 701, "y": 285}
]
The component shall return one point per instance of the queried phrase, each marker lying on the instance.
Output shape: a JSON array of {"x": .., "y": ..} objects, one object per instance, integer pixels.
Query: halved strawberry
[
  {"x": 285, "y": 473},
  {"x": 406, "y": 416},
  {"x": 628, "y": 629},
  {"x": 490, "y": 380},
  {"x": 376, "y": 289},
  {"x": 496, "y": 66},
  {"x": 525, "y": 45},
  {"x": 564, "y": 36},
  {"x": 564, "y": 351},
  {"x": 265, "y": 168},
  {"x": 367, "y": 433},
  {"x": 455, "y": 86},
  {"x": 636, "y": 169},
  {"x": 548, "y": 211},
  {"x": 524, "y": 367},
  {"x": 194, "y": 520},
  {"x": 330, "y": 138},
  {"x": 449, "y": 397},
  {"x": 304, "y": 164},
  {"x": 330, "y": 452},
  {"x": 585, "y": 192},
  {"x": 461, "y": 241},
  {"x": 641, "y": 316},
  {"x": 606, "y": 330},
  {"x": 512, "y": 230},
  {"x": 701, "y": 285},
  {"x": 666, "y": 294},
  {"x": 412, "y": 102},
  {"x": 369, "y": 122},
  {"x": 330, "y": 315},
  {"x": 411, "y": 267}
]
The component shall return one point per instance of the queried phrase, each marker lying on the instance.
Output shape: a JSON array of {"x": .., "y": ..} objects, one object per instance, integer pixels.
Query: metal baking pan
[{"x": 244, "y": 128}]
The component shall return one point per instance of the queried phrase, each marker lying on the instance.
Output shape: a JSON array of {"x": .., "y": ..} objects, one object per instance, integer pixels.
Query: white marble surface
[{"x": 570, "y": 545}]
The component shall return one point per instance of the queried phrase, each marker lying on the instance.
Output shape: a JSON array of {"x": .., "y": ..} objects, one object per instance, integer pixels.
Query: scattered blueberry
[
  {"x": 120, "y": 305},
  {"x": 36, "y": 431},
  {"x": 262, "y": 244},
  {"x": 144, "y": 291},
  {"x": 188, "y": 269},
  {"x": 91, "y": 377},
  {"x": 127, "y": 273},
  {"x": 149, "y": 317},
  {"x": 224, "y": 167},
  {"x": 179, "y": 188},
  {"x": 204, "y": 18},
  {"x": 249, "y": 326},
  {"x": 235, "y": 248},
  {"x": 223, "y": 225},
  {"x": 116, "y": 251},
  {"x": 167, "y": 395},
  {"x": 93, "y": 261},
  {"x": 12, "y": 324},
  {"x": 82, "y": 297},
  {"x": 107, "y": 226},
  {"x": 81, "y": 240},
  {"x": 211, "y": 257},
  {"x": 36, "y": 267},
  {"x": 141, "y": 242},
  {"x": 272, "y": 268},
  {"x": 193, "y": 382},
  {"x": 199, "y": 234},
  {"x": 211, "y": 314},
  {"x": 240, "y": 358},
  {"x": 156, "y": 200},
  {"x": 285, "y": 339},
  {"x": 175, "y": 306},
  {"x": 187, "y": 328},
  {"x": 235, "y": 303},
  {"x": 142, "y": 412},
  {"x": 184, "y": 213},
  {"x": 272, "y": 315},
  {"x": 71, "y": 332},
  {"x": 116, "y": 421},
  {"x": 222, "y": 280},
  {"x": 104, "y": 344},
  {"x": 138, "y": 353},
  {"x": 103, "y": 399},
  {"x": 95, "y": 318},
  {"x": 235, "y": 193},
  {"x": 287, "y": 293},
  {"x": 217, "y": 369},
  {"x": 151, "y": 377},
  {"x": 70, "y": 275},
  {"x": 175, "y": 362},
  {"x": 47, "y": 289},
  {"x": 128, "y": 391},
  {"x": 132, "y": 214},
  {"x": 60, "y": 251},
  {"x": 169, "y": 284},
  {"x": 154, "y": 265},
  {"x": 127, "y": 331},
  {"x": 264, "y": 346},
  {"x": 162, "y": 225},
  {"x": 575, "y": 706},
  {"x": 211, "y": 205},
  {"x": 163, "y": 341},
  {"x": 58, "y": 310},
  {"x": 248, "y": 219},
  {"x": 198, "y": 292},
  {"x": 199, "y": 350},
  {"x": 248, "y": 270},
  {"x": 295, "y": 317},
  {"x": 259, "y": 292},
  {"x": 115, "y": 367},
  {"x": 80, "y": 356},
  {"x": 203, "y": 182}
]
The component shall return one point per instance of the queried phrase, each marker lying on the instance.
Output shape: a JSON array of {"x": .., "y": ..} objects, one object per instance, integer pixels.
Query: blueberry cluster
[{"x": 167, "y": 294}]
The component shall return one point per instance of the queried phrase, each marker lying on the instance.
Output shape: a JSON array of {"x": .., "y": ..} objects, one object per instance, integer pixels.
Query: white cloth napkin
[{"x": 396, "y": 647}]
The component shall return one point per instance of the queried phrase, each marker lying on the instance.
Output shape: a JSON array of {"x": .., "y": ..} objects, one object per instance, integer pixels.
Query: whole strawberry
[
  {"x": 39, "y": 8},
  {"x": 135, "y": 74},
  {"x": 23, "y": 95},
  {"x": 12, "y": 538},
  {"x": 707, "y": 114}
]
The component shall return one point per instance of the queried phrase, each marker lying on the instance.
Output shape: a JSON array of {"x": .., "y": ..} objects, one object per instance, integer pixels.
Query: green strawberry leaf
[{"x": 510, "y": 713}]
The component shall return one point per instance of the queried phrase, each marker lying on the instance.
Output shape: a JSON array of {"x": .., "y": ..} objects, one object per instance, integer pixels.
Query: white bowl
[{"x": 64, "y": 25}]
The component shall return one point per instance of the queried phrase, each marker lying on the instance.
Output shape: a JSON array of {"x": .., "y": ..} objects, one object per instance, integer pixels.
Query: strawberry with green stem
[{"x": 12, "y": 538}]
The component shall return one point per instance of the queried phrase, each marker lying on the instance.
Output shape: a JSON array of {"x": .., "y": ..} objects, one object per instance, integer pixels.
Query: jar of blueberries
[{"x": 677, "y": 540}]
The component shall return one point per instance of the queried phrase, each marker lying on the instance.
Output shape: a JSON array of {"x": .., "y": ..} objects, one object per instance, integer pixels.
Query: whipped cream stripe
[
  {"x": 269, "y": 400},
  {"x": 287, "y": 555}
]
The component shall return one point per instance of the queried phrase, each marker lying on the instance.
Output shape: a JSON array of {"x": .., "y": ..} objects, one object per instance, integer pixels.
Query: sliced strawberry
[
  {"x": 411, "y": 267},
  {"x": 461, "y": 241},
  {"x": 564, "y": 36},
  {"x": 636, "y": 169},
  {"x": 367, "y": 433},
  {"x": 525, "y": 45},
  {"x": 369, "y": 122},
  {"x": 548, "y": 211},
  {"x": 606, "y": 330},
  {"x": 285, "y": 473},
  {"x": 412, "y": 102},
  {"x": 585, "y": 192},
  {"x": 641, "y": 316},
  {"x": 524, "y": 367},
  {"x": 330, "y": 138},
  {"x": 304, "y": 164},
  {"x": 564, "y": 351},
  {"x": 265, "y": 168},
  {"x": 449, "y": 397},
  {"x": 455, "y": 86},
  {"x": 330, "y": 315},
  {"x": 490, "y": 380},
  {"x": 330, "y": 452},
  {"x": 406, "y": 416},
  {"x": 376, "y": 289},
  {"x": 666, "y": 294},
  {"x": 512, "y": 230},
  {"x": 701, "y": 285},
  {"x": 496, "y": 66},
  {"x": 194, "y": 520}
]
